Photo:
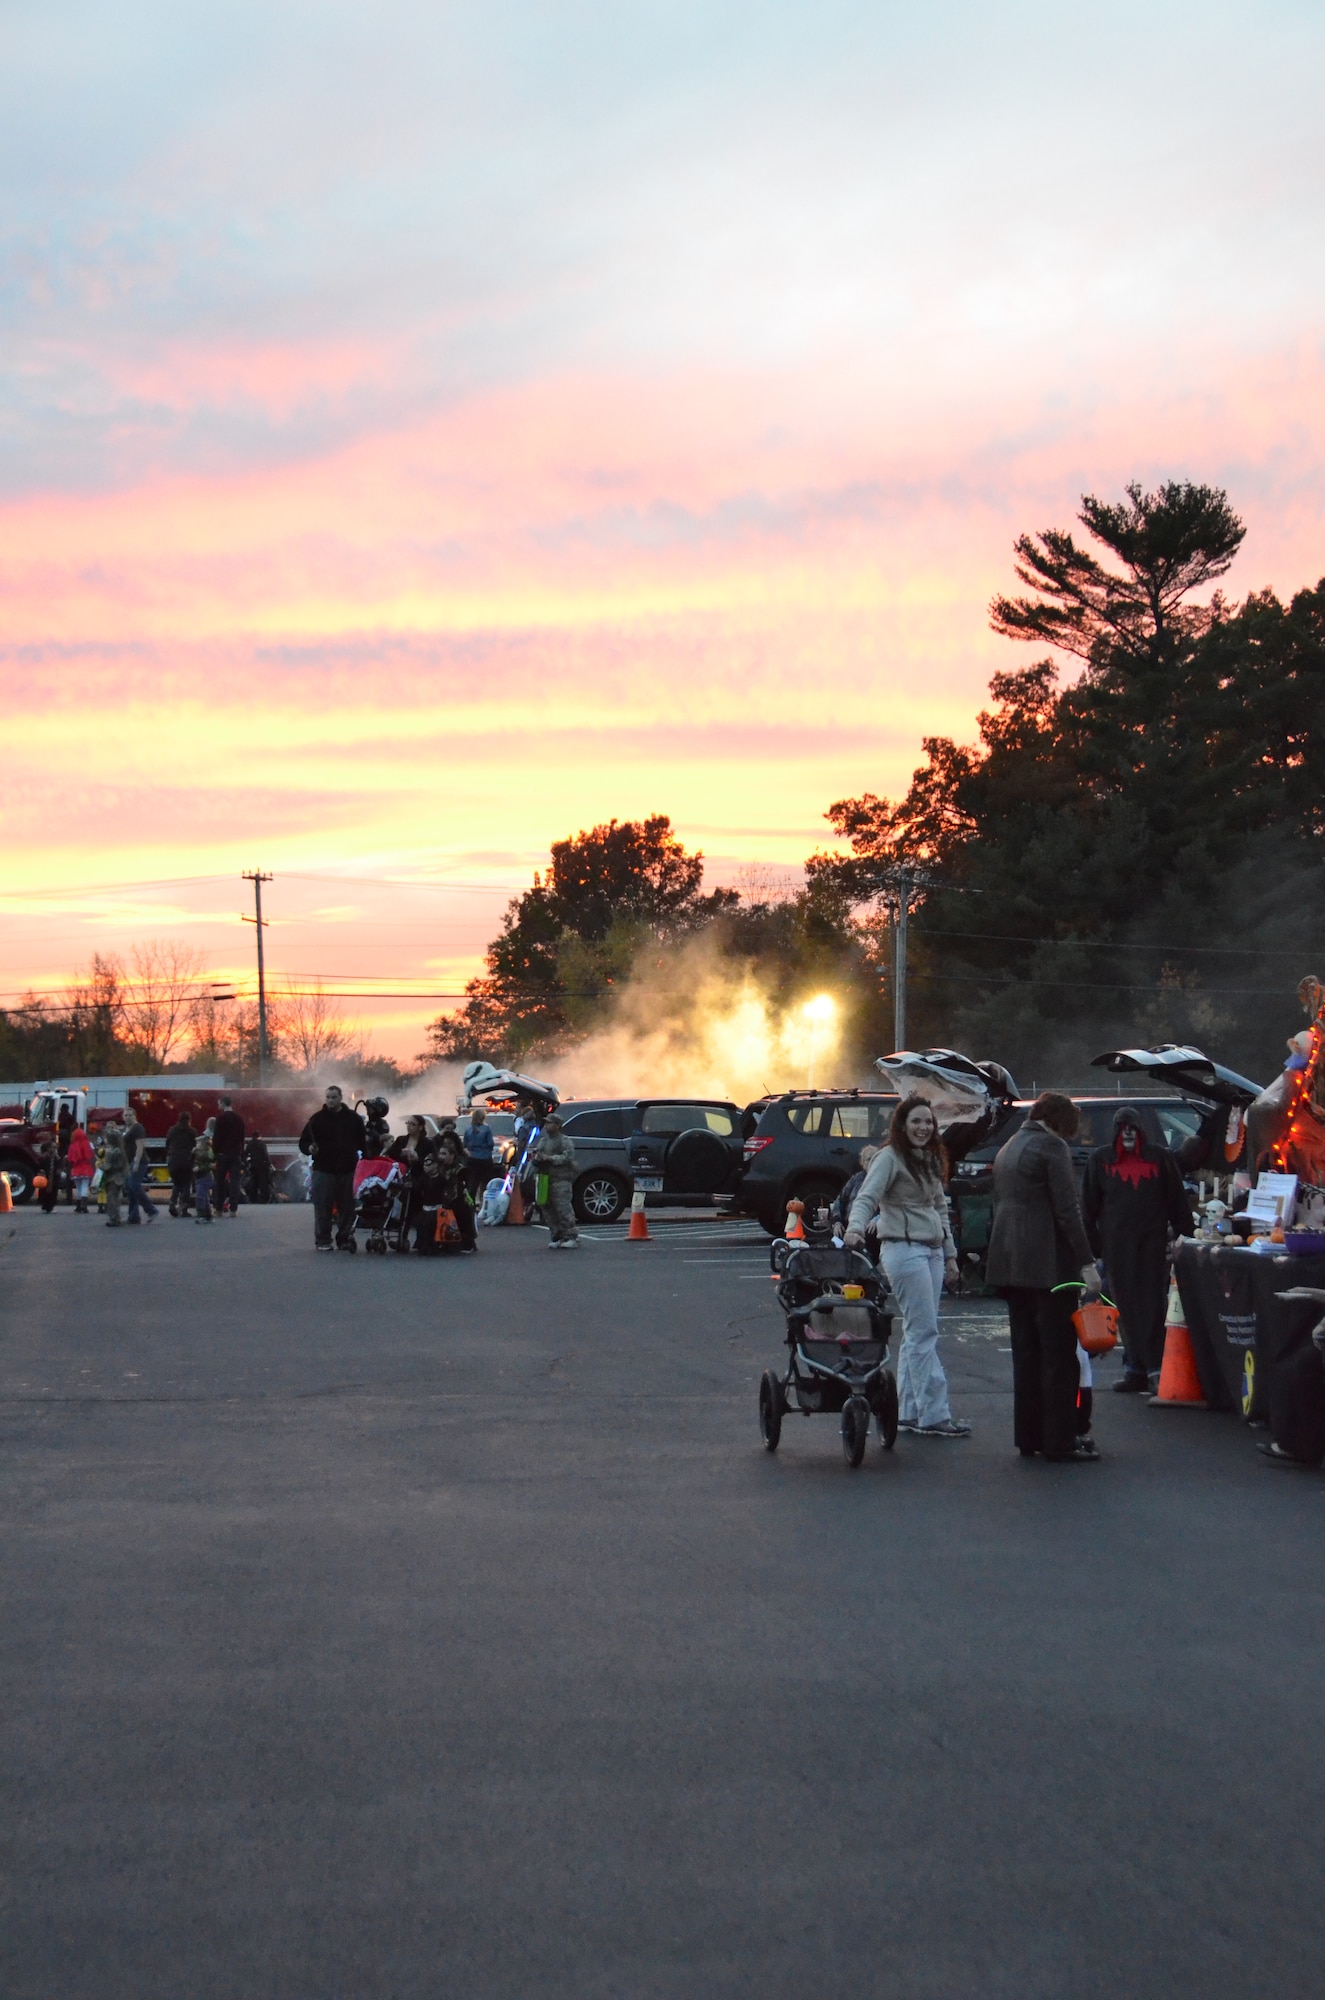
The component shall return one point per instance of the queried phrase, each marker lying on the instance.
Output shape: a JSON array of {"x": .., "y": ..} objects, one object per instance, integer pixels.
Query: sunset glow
[{"x": 430, "y": 442}]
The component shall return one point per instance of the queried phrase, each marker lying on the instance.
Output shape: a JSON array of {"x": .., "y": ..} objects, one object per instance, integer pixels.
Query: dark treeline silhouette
[{"x": 1134, "y": 854}]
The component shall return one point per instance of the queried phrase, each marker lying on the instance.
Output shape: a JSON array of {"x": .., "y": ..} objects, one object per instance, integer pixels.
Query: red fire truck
[{"x": 157, "y": 1101}]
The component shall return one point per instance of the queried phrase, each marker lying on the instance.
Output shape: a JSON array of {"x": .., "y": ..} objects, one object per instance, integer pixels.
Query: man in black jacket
[
  {"x": 1131, "y": 1197},
  {"x": 333, "y": 1139},
  {"x": 228, "y": 1146}
]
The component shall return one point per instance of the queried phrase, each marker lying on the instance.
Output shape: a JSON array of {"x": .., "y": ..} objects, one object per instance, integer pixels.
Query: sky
[{"x": 426, "y": 431}]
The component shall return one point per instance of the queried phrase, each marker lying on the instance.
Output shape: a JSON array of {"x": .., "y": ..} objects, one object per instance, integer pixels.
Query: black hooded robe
[{"x": 1130, "y": 1201}]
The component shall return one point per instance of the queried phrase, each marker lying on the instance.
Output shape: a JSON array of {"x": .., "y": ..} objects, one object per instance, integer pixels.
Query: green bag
[{"x": 540, "y": 1190}]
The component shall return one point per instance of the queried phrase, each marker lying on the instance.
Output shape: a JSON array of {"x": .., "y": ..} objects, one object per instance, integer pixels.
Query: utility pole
[
  {"x": 902, "y": 885},
  {"x": 255, "y": 876}
]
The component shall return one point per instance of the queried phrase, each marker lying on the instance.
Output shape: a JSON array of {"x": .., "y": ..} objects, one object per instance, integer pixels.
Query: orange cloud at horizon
[{"x": 729, "y": 598}]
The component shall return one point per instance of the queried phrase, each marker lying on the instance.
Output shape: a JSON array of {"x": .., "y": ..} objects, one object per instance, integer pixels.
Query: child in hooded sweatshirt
[
  {"x": 82, "y": 1163},
  {"x": 204, "y": 1168},
  {"x": 114, "y": 1173}
]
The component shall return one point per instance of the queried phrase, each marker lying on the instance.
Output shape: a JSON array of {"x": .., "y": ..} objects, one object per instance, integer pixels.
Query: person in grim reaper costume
[{"x": 1131, "y": 1197}]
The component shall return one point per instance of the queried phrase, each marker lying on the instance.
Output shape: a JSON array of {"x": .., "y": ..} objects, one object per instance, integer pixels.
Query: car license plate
[{"x": 648, "y": 1183}]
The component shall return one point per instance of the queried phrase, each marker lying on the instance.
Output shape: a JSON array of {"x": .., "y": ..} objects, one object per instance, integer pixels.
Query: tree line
[
  {"x": 152, "y": 1011},
  {"x": 1128, "y": 852}
]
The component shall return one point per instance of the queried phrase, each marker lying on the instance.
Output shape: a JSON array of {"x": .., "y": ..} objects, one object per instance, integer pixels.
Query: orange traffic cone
[
  {"x": 1179, "y": 1383},
  {"x": 638, "y": 1231},
  {"x": 6, "y": 1197},
  {"x": 515, "y": 1208},
  {"x": 795, "y": 1229}
]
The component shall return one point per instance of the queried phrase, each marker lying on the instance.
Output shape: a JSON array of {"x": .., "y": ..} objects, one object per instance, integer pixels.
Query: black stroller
[
  {"x": 380, "y": 1196},
  {"x": 381, "y": 1191},
  {"x": 837, "y": 1337}
]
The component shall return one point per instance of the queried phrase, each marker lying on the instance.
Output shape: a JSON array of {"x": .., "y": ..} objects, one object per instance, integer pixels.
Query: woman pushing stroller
[{"x": 903, "y": 1187}]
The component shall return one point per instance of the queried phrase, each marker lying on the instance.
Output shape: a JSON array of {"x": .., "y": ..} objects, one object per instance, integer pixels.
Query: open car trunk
[{"x": 1187, "y": 1070}]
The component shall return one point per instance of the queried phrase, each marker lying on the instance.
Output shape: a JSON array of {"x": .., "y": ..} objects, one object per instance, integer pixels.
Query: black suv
[
  {"x": 676, "y": 1150},
  {"x": 806, "y": 1143}
]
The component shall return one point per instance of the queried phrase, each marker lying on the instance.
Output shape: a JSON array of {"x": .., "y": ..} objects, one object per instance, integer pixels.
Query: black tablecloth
[{"x": 1228, "y": 1298}]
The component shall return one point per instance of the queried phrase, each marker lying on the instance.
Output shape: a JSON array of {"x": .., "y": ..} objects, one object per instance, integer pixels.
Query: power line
[
  {"x": 56, "y": 892},
  {"x": 1107, "y": 986},
  {"x": 110, "y": 888},
  {"x": 412, "y": 882},
  {"x": 1093, "y": 944}
]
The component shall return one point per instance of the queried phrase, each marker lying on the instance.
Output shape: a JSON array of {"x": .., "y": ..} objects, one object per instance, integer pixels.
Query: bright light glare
[{"x": 821, "y": 1008}]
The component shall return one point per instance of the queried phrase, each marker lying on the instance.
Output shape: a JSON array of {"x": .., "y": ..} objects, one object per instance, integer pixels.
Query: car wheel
[
  {"x": 771, "y": 1405},
  {"x": 855, "y": 1429},
  {"x": 599, "y": 1197},
  {"x": 19, "y": 1175},
  {"x": 815, "y": 1190}
]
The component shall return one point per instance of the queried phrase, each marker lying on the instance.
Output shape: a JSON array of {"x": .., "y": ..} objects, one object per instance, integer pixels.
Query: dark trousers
[
  {"x": 1136, "y": 1278},
  {"x": 229, "y": 1180},
  {"x": 181, "y": 1189},
  {"x": 332, "y": 1191},
  {"x": 477, "y": 1174},
  {"x": 1297, "y": 1406},
  {"x": 136, "y": 1189},
  {"x": 1045, "y": 1374}
]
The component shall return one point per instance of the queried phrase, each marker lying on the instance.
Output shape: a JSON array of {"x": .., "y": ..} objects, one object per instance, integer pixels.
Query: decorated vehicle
[{"x": 1223, "y": 1097}]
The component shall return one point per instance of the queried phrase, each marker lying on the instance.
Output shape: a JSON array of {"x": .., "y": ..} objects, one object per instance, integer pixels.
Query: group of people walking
[
  {"x": 1044, "y": 1244},
  {"x": 116, "y": 1163},
  {"x": 211, "y": 1170}
]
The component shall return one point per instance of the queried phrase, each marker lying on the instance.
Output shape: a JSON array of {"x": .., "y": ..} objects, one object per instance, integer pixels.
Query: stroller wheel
[
  {"x": 855, "y": 1429},
  {"x": 887, "y": 1410},
  {"x": 771, "y": 1406}
]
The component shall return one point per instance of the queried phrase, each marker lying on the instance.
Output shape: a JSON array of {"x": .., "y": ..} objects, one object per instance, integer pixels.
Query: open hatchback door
[{"x": 1187, "y": 1070}]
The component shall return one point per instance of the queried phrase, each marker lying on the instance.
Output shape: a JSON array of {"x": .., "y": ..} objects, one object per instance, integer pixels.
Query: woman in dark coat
[
  {"x": 1038, "y": 1241},
  {"x": 410, "y": 1152},
  {"x": 1131, "y": 1198}
]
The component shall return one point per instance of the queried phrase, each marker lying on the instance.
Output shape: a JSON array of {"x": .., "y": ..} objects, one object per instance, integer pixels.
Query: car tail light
[{"x": 753, "y": 1146}]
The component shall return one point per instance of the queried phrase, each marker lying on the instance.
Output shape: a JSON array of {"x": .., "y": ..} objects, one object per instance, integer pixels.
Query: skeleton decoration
[{"x": 1286, "y": 1124}]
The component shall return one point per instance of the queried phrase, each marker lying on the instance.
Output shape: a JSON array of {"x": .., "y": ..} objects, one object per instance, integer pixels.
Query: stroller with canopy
[
  {"x": 837, "y": 1341},
  {"x": 379, "y": 1201}
]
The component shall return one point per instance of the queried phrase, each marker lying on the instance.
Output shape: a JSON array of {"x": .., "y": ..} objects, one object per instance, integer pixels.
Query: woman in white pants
[{"x": 904, "y": 1188}]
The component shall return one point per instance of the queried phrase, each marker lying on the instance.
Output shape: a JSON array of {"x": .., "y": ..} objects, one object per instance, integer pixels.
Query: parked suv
[
  {"x": 677, "y": 1150},
  {"x": 806, "y": 1144}
]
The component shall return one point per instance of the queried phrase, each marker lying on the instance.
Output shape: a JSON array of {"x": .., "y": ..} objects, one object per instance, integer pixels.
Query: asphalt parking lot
[{"x": 388, "y": 1628}]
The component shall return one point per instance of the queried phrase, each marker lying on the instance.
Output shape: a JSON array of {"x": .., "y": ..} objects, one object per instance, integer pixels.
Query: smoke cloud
[{"x": 689, "y": 1022}]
